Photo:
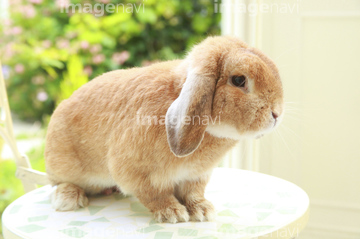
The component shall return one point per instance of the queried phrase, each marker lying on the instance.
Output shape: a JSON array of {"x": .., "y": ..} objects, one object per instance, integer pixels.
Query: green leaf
[
  {"x": 52, "y": 62},
  {"x": 50, "y": 71},
  {"x": 73, "y": 78},
  {"x": 200, "y": 23},
  {"x": 148, "y": 16},
  {"x": 115, "y": 19}
]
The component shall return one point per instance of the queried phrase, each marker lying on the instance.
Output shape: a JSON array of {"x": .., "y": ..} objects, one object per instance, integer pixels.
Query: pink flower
[
  {"x": 120, "y": 58},
  {"x": 63, "y": 43},
  {"x": 46, "y": 44},
  {"x": 36, "y": 1},
  {"x": 98, "y": 59},
  {"x": 42, "y": 96},
  {"x": 7, "y": 22},
  {"x": 84, "y": 45},
  {"x": 29, "y": 11},
  {"x": 88, "y": 70},
  {"x": 19, "y": 68},
  {"x": 8, "y": 52},
  {"x": 95, "y": 48},
  {"x": 16, "y": 30},
  {"x": 15, "y": 2}
]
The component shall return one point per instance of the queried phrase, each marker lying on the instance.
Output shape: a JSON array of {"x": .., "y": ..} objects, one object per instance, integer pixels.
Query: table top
[{"x": 248, "y": 205}]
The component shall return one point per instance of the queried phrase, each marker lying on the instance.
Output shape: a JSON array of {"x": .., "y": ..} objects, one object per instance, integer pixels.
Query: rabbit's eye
[{"x": 238, "y": 81}]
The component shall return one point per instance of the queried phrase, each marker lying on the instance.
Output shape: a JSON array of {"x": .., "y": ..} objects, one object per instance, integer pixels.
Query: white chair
[
  {"x": 248, "y": 204},
  {"x": 29, "y": 177}
]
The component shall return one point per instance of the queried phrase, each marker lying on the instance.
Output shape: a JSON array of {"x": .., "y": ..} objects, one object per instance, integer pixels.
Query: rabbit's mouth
[
  {"x": 228, "y": 131},
  {"x": 277, "y": 120},
  {"x": 274, "y": 122},
  {"x": 231, "y": 132}
]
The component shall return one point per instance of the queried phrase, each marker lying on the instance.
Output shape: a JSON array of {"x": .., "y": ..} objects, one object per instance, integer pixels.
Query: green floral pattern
[{"x": 248, "y": 205}]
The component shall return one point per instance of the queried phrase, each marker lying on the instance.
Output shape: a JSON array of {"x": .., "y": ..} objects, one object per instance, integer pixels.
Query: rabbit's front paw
[
  {"x": 200, "y": 210},
  {"x": 173, "y": 214},
  {"x": 68, "y": 197}
]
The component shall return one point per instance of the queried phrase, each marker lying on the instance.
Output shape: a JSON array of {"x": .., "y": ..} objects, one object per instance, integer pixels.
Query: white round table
[{"x": 248, "y": 205}]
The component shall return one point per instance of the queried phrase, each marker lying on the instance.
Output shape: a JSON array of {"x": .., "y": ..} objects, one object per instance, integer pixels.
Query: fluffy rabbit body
[{"x": 97, "y": 139}]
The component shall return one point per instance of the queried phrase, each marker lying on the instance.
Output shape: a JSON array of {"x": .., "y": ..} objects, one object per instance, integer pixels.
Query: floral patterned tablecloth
[{"x": 248, "y": 205}]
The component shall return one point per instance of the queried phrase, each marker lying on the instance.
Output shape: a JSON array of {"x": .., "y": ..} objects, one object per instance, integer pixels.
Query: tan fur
[{"x": 95, "y": 141}]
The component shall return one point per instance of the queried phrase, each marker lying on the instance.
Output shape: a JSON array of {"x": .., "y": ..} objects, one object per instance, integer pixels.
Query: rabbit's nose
[{"x": 275, "y": 115}]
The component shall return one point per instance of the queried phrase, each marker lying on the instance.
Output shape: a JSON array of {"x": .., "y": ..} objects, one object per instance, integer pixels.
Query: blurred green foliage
[{"x": 47, "y": 54}]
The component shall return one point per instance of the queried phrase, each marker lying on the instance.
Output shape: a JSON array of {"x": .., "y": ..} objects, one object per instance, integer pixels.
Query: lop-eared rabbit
[{"x": 199, "y": 107}]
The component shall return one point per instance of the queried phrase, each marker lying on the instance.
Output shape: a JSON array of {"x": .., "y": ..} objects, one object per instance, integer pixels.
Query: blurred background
[{"x": 47, "y": 54}]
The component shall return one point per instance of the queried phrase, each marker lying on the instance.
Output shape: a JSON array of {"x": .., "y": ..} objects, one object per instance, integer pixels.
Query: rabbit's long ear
[{"x": 185, "y": 116}]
